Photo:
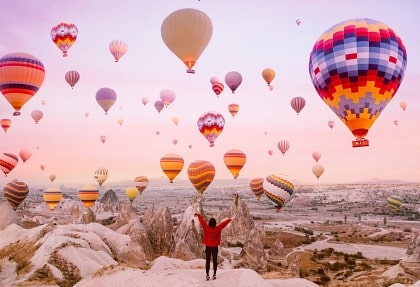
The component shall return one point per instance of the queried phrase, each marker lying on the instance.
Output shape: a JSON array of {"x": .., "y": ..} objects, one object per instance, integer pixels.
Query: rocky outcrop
[
  {"x": 253, "y": 254},
  {"x": 277, "y": 251},
  {"x": 88, "y": 216},
  {"x": 107, "y": 203},
  {"x": 7, "y": 215},
  {"x": 125, "y": 215},
  {"x": 159, "y": 225},
  {"x": 411, "y": 264}
]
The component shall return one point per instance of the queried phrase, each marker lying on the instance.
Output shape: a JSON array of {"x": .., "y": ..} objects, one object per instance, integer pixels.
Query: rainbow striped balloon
[
  {"x": 15, "y": 192},
  {"x": 278, "y": 190}
]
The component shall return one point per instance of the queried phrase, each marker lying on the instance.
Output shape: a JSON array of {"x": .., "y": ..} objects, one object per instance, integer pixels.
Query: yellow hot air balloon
[
  {"x": 171, "y": 165},
  {"x": 88, "y": 194},
  {"x": 201, "y": 173},
  {"x": 132, "y": 193},
  {"x": 52, "y": 196},
  {"x": 141, "y": 183},
  {"x": 187, "y": 32},
  {"x": 234, "y": 160},
  {"x": 268, "y": 75}
]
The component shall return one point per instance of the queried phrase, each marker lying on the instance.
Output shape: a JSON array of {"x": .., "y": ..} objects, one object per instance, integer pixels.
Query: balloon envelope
[
  {"x": 403, "y": 105},
  {"x": 210, "y": 125},
  {"x": 131, "y": 193},
  {"x": 52, "y": 196},
  {"x": 141, "y": 183},
  {"x": 216, "y": 85},
  {"x": 234, "y": 160},
  {"x": 118, "y": 48},
  {"x": 159, "y": 106},
  {"x": 283, "y": 146},
  {"x": 25, "y": 154},
  {"x": 37, "y": 115},
  {"x": 8, "y": 162},
  {"x": 64, "y": 35},
  {"x": 201, "y": 173},
  {"x": 297, "y": 103},
  {"x": 88, "y": 194},
  {"x": 171, "y": 165},
  {"x": 257, "y": 186},
  {"x": 167, "y": 96},
  {"x": 144, "y": 100},
  {"x": 317, "y": 170},
  {"x": 233, "y": 80},
  {"x": 52, "y": 177},
  {"x": 5, "y": 124},
  {"x": 278, "y": 190},
  {"x": 316, "y": 156},
  {"x": 106, "y": 98},
  {"x": 72, "y": 77},
  {"x": 15, "y": 192},
  {"x": 268, "y": 75},
  {"x": 394, "y": 201},
  {"x": 233, "y": 109},
  {"x": 101, "y": 175}
]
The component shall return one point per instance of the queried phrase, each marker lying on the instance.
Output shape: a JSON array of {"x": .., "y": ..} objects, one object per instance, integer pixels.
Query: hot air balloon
[
  {"x": 394, "y": 201},
  {"x": 5, "y": 124},
  {"x": 159, "y": 106},
  {"x": 42, "y": 167},
  {"x": 102, "y": 138},
  {"x": 64, "y": 35},
  {"x": 171, "y": 165},
  {"x": 174, "y": 141},
  {"x": 357, "y": 67},
  {"x": 167, "y": 96},
  {"x": 216, "y": 85},
  {"x": 234, "y": 160},
  {"x": 317, "y": 170},
  {"x": 8, "y": 162},
  {"x": 141, "y": 183},
  {"x": 298, "y": 21},
  {"x": 190, "y": 146},
  {"x": 270, "y": 152},
  {"x": 403, "y": 105},
  {"x": 43, "y": 102},
  {"x": 175, "y": 120},
  {"x": 25, "y": 154},
  {"x": 144, "y": 100},
  {"x": 210, "y": 125},
  {"x": 157, "y": 132},
  {"x": 201, "y": 173},
  {"x": 101, "y": 175},
  {"x": 396, "y": 122},
  {"x": 187, "y": 32},
  {"x": 283, "y": 146},
  {"x": 106, "y": 98},
  {"x": 316, "y": 156},
  {"x": 233, "y": 109},
  {"x": 52, "y": 196},
  {"x": 257, "y": 186},
  {"x": 86, "y": 114},
  {"x": 233, "y": 80},
  {"x": 131, "y": 193},
  {"x": 15, "y": 192},
  {"x": 268, "y": 75},
  {"x": 37, "y": 115},
  {"x": 118, "y": 48},
  {"x": 331, "y": 124},
  {"x": 52, "y": 177},
  {"x": 120, "y": 121},
  {"x": 21, "y": 76},
  {"x": 278, "y": 190},
  {"x": 297, "y": 103},
  {"x": 88, "y": 194},
  {"x": 72, "y": 77}
]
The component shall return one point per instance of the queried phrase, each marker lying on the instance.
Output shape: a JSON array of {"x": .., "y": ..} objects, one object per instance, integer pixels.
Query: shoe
[
  {"x": 214, "y": 276},
  {"x": 207, "y": 277}
]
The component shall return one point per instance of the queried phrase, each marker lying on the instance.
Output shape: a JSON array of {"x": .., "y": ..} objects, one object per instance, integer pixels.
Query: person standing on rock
[{"x": 212, "y": 237}]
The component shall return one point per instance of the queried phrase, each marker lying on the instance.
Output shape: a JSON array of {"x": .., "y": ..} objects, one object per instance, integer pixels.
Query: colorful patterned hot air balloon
[
  {"x": 316, "y": 156},
  {"x": 297, "y": 103},
  {"x": 278, "y": 190},
  {"x": 257, "y": 186},
  {"x": 15, "y": 192},
  {"x": 101, "y": 175},
  {"x": 283, "y": 146},
  {"x": 37, "y": 115},
  {"x": 118, "y": 48},
  {"x": 25, "y": 154},
  {"x": 235, "y": 160},
  {"x": 357, "y": 67},
  {"x": 403, "y": 105},
  {"x": 331, "y": 124},
  {"x": 8, "y": 162},
  {"x": 88, "y": 194},
  {"x": 187, "y": 32},
  {"x": 131, "y": 193},
  {"x": 171, "y": 165},
  {"x": 217, "y": 86},
  {"x": 72, "y": 77},
  {"x": 159, "y": 106},
  {"x": 141, "y": 183},
  {"x": 106, "y": 98},
  {"x": 64, "y": 35},
  {"x": 52, "y": 196},
  {"x": 233, "y": 109},
  {"x": 210, "y": 125},
  {"x": 268, "y": 75},
  {"x": 233, "y": 80},
  {"x": 394, "y": 201},
  {"x": 201, "y": 174},
  {"x": 21, "y": 76},
  {"x": 317, "y": 170},
  {"x": 5, "y": 124}
]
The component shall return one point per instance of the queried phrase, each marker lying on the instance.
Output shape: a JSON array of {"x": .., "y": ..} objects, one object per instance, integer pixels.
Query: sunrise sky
[{"x": 248, "y": 36}]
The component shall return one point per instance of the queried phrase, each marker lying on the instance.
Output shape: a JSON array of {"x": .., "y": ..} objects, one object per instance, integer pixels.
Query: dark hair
[{"x": 212, "y": 222}]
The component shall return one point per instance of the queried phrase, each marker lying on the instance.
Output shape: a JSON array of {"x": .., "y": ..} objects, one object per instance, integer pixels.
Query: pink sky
[{"x": 246, "y": 38}]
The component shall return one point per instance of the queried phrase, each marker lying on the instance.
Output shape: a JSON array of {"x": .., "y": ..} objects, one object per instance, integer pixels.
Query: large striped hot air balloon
[
  {"x": 210, "y": 125},
  {"x": 15, "y": 192},
  {"x": 72, "y": 77},
  {"x": 88, "y": 194},
  {"x": 394, "y": 201},
  {"x": 201, "y": 174},
  {"x": 171, "y": 165},
  {"x": 132, "y": 193},
  {"x": 278, "y": 190},
  {"x": 64, "y": 35},
  {"x": 187, "y": 32},
  {"x": 257, "y": 186},
  {"x": 356, "y": 67},
  {"x": 8, "y": 162},
  {"x": 234, "y": 160},
  {"x": 141, "y": 183},
  {"x": 101, "y": 175},
  {"x": 106, "y": 98},
  {"x": 118, "y": 48},
  {"x": 52, "y": 196},
  {"x": 21, "y": 76}
]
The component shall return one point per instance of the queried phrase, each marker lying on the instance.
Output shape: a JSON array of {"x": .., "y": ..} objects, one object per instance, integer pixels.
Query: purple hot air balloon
[
  {"x": 106, "y": 98},
  {"x": 159, "y": 106},
  {"x": 233, "y": 80},
  {"x": 167, "y": 96}
]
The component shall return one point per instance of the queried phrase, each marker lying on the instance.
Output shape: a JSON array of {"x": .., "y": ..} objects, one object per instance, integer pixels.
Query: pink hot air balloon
[
  {"x": 270, "y": 152},
  {"x": 118, "y": 48},
  {"x": 174, "y": 141},
  {"x": 316, "y": 156},
  {"x": 210, "y": 125},
  {"x": 106, "y": 98},
  {"x": 102, "y": 138},
  {"x": 331, "y": 124},
  {"x": 8, "y": 162},
  {"x": 167, "y": 96},
  {"x": 283, "y": 146},
  {"x": 25, "y": 154},
  {"x": 297, "y": 103},
  {"x": 216, "y": 85},
  {"x": 159, "y": 106},
  {"x": 37, "y": 115},
  {"x": 233, "y": 80},
  {"x": 396, "y": 122},
  {"x": 72, "y": 77},
  {"x": 42, "y": 167},
  {"x": 157, "y": 132},
  {"x": 403, "y": 105},
  {"x": 145, "y": 100}
]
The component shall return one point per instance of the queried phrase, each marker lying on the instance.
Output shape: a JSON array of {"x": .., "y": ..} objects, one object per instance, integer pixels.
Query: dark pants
[{"x": 211, "y": 252}]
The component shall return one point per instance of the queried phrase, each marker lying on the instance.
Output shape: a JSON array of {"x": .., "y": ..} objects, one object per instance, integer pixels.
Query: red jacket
[{"x": 212, "y": 236}]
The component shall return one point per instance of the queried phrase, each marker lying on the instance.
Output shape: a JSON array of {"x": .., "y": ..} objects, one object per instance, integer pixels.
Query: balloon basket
[
  {"x": 190, "y": 71},
  {"x": 16, "y": 113},
  {"x": 360, "y": 142}
]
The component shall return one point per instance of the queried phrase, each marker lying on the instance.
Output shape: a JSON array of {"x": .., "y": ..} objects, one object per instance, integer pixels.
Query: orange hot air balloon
[
  {"x": 118, "y": 48},
  {"x": 25, "y": 154},
  {"x": 316, "y": 156},
  {"x": 233, "y": 109},
  {"x": 131, "y": 193},
  {"x": 171, "y": 165},
  {"x": 257, "y": 186},
  {"x": 88, "y": 194},
  {"x": 141, "y": 183},
  {"x": 52, "y": 196},
  {"x": 15, "y": 192},
  {"x": 52, "y": 177},
  {"x": 5, "y": 124},
  {"x": 201, "y": 174},
  {"x": 234, "y": 160},
  {"x": 317, "y": 170},
  {"x": 268, "y": 75},
  {"x": 187, "y": 32},
  {"x": 72, "y": 77},
  {"x": 210, "y": 125},
  {"x": 37, "y": 115},
  {"x": 8, "y": 162},
  {"x": 283, "y": 146},
  {"x": 403, "y": 105},
  {"x": 21, "y": 76},
  {"x": 64, "y": 35},
  {"x": 120, "y": 121}
]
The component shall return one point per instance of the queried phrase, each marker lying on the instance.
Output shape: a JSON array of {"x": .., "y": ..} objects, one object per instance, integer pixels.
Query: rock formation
[
  {"x": 159, "y": 225},
  {"x": 107, "y": 203},
  {"x": 88, "y": 216},
  {"x": 7, "y": 215},
  {"x": 411, "y": 264},
  {"x": 125, "y": 215},
  {"x": 253, "y": 254}
]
